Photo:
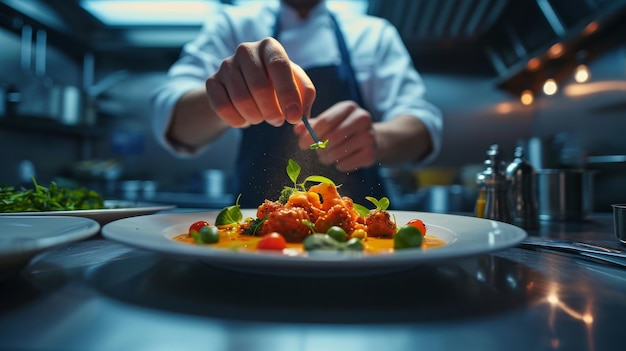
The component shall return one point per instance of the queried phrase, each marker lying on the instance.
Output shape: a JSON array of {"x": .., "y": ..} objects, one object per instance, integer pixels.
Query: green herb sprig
[{"x": 51, "y": 198}]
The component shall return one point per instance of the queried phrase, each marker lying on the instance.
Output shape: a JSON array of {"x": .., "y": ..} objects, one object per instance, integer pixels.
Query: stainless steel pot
[{"x": 565, "y": 194}]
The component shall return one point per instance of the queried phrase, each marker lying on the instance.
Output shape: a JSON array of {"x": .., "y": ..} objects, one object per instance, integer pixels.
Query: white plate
[
  {"x": 115, "y": 209},
  {"x": 22, "y": 237},
  {"x": 464, "y": 236}
]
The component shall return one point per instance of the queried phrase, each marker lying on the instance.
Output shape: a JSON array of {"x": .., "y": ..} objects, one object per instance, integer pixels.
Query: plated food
[{"x": 311, "y": 218}]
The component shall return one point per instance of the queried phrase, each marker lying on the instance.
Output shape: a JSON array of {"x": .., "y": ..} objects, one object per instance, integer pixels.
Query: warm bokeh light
[
  {"x": 504, "y": 108},
  {"x": 527, "y": 97},
  {"x": 550, "y": 87},
  {"x": 533, "y": 64},
  {"x": 556, "y": 50},
  {"x": 591, "y": 28},
  {"x": 581, "y": 74}
]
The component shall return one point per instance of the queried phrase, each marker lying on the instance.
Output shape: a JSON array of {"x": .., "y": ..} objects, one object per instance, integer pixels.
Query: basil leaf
[{"x": 229, "y": 215}]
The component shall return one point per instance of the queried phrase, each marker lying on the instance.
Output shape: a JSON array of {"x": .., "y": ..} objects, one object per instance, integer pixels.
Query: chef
[{"x": 261, "y": 72}]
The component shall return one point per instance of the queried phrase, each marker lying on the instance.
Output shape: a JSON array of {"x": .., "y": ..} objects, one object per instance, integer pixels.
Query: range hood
[{"x": 535, "y": 40}]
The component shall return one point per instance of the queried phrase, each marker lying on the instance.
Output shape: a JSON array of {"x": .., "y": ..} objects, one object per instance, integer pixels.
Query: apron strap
[{"x": 345, "y": 67}]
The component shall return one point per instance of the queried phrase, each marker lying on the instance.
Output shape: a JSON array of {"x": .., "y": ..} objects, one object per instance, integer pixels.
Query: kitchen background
[{"x": 76, "y": 84}]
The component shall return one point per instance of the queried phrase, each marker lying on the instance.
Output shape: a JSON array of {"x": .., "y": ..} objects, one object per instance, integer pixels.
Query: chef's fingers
[
  {"x": 279, "y": 71},
  {"x": 258, "y": 83},
  {"x": 220, "y": 102},
  {"x": 354, "y": 132},
  {"x": 306, "y": 88},
  {"x": 359, "y": 158},
  {"x": 241, "y": 97},
  {"x": 327, "y": 122}
]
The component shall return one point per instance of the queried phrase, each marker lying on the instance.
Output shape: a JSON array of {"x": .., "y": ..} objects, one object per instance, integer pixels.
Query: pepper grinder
[
  {"x": 521, "y": 175},
  {"x": 497, "y": 189}
]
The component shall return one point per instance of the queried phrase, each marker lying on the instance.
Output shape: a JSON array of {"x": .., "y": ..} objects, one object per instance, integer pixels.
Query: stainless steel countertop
[{"x": 101, "y": 295}]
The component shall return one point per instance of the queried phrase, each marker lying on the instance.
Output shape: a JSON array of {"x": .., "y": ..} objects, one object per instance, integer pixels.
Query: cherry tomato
[
  {"x": 272, "y": 241},
  {"x": 417, "y": 223},
  {"x": 197, "y": 226}
]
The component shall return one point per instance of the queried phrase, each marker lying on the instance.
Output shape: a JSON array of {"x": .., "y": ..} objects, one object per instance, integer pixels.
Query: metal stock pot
[{"x": 565, "y": 194}]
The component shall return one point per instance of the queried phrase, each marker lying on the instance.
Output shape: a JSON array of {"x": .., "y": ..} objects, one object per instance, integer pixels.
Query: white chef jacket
[{"x": 389, "y": 84}]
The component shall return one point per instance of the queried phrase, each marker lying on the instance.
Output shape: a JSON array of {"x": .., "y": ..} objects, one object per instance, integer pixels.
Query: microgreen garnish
[
  {"x": 381, "y": 204},
  {"x": 255, "y": 225},
  {"x": 361, "y": 210},
  {"x": 229, "y": 215},
  {"x": 319, "y": 145}
]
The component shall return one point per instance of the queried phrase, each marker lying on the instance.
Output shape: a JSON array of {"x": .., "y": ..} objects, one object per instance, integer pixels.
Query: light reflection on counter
[{"x": 556, "y": 304}]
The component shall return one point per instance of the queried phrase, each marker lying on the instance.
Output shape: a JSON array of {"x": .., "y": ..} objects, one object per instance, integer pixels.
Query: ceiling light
[
  {"x": 151, "y": 12},
  {"x": 581, "y": 74},
  {"x": 550, "y": 87}
]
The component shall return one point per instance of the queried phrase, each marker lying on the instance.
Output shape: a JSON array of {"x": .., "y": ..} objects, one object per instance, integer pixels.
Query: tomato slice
[
  {"x": 272, "y": 241},
  {"x": 417, "y": 223},
  {"x": 197, "y": 226}
]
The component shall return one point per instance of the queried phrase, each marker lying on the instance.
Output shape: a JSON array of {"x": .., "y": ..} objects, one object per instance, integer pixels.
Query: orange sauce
[{"x": 231, "y": 239}]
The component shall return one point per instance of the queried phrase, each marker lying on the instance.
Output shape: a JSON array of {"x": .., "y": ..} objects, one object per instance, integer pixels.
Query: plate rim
[
  {"x": 89, "y": 228},
  {"x": 145, "y": 206},
  {"x": 315, "y": 261}
]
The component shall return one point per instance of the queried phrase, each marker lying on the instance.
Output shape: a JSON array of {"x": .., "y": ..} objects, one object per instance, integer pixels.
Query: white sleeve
[
  {"x": 397, "y": 89},
  {"x": 199, "y": 59}
]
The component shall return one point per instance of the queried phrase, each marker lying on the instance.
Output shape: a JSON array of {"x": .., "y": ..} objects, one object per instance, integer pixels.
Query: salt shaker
[
  {"x": 521, "y": 175},
  {"x": 497, "y": 205}
]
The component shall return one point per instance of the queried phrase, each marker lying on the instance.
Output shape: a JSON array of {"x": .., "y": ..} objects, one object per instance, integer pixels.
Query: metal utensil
[
  {"x": 584, "y": 250},
  {"x": 310, "y": 129},
  {"x": 317, "y": 143}
]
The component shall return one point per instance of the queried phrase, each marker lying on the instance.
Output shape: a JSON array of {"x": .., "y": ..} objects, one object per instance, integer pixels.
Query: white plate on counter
[
  {"x": 22, "y": 237},
  {"x": 115, "y": 209},
  {"x": 464, "y": 236}
]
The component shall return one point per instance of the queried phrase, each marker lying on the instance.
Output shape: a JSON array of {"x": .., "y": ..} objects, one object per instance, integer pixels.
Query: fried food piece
[
  {"x": 330, "y": 196},
  {"x": 288, "y": 222},
  {"x": 309, "y": 201},
  {"x": 380, "y": 225},
  {"x": 267, "y": 207},
  {"x": 338, "y": 215}
]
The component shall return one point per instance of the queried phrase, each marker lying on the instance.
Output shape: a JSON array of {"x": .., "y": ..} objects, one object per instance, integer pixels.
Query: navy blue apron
[{"x": 265, "y": 149}]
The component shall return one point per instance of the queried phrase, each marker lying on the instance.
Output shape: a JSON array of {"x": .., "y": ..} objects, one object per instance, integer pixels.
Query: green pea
[
  {"x": 407, "y": 237},
  {"x": 354, "y": 244},
  {"x": 337, "y": 233},
  {"x": 209, "y": 234}
]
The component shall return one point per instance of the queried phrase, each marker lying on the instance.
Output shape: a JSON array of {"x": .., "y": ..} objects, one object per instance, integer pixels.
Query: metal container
[
  {"x": 67, "y": 104},
  {"x": 565, "y": 194}
]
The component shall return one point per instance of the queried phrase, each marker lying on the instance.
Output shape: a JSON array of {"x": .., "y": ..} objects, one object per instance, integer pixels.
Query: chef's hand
[
  {"x": 350, "y": 134},
  {"x": 259, "y": 83}
]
